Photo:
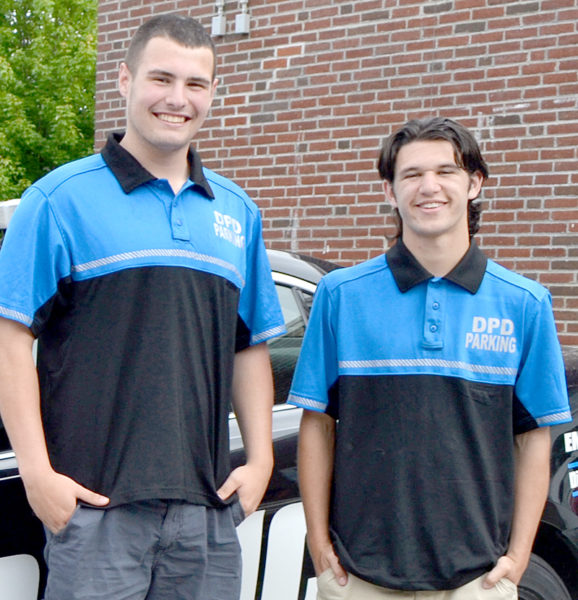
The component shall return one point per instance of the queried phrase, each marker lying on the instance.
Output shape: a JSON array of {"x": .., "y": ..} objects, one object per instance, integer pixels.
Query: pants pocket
[
  {"x": 508, "y": 589},
  {"x": 60, "y": 535},
  {"x": 329, "y": 589},
  {"x": 503, "y": 590},
  {"x": 238, "y": 513}
]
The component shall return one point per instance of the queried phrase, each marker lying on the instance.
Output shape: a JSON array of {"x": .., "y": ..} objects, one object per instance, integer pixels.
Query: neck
[
  {"x": 437, "y": 255},
  {"x": 171, "y": 165}
]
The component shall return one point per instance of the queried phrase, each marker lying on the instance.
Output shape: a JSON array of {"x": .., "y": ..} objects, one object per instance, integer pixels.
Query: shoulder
[
  {"x": 225, "y": 189},
  {"x": 70, "y": 174},
  {"x": 514, "y": 283},
  {"x": 47, "y": 193},
  {"x": 361, "y": 274}
]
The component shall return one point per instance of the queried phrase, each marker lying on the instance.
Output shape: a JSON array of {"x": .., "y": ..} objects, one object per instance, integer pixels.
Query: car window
[
  {"x": 292, "y": 311},
  {"x": 284, "y": 350}
]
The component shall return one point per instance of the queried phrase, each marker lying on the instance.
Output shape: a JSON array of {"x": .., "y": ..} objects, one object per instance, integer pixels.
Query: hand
[
  {"x": 250, "y": 482},
  {"x": 506, "y": 567},
  {"x": 325, "y": 558},
  {"x": 53, "y": 498}
]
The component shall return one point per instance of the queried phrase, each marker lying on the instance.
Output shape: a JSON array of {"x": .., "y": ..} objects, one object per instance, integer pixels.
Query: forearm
[
  {"x": 532, "y": 469},
  {"x": 20, "y": 399},
  {"x": 315, "y": 467},
  {"x": 253, "y": 403},
  {"x": 532, "y": 478}
]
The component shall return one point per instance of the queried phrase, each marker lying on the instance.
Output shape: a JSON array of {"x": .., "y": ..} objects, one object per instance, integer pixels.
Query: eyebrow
[
  {"x": 436, "y": 167},
  {"x": 163, "y": 73}
]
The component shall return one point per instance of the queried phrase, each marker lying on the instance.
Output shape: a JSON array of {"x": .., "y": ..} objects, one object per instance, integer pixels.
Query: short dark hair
[
  {"x": 183, "y": 30},
  {"x": 466, "y": 152}
]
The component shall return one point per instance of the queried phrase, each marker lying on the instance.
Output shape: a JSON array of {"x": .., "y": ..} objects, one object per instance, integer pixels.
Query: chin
[{"x": 170, "y": 143}]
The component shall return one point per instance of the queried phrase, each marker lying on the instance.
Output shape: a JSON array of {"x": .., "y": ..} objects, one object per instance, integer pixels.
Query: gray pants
[{"x": 152, "y": 550}]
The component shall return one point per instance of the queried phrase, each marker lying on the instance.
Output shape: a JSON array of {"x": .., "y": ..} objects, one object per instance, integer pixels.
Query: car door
[{"x": 276, "y": 565}]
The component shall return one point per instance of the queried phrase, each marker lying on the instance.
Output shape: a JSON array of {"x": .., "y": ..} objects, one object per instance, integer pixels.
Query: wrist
[
  {"x": 321, "y": 551},
  {"x": 33, "y": 471},
  {"x": 261, "y": 460},
  {"x": 318, "y": 541},
  {"x": 519, "y": 560}
]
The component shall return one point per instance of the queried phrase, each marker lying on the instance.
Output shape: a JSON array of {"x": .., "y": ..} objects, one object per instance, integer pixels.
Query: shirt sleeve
[
  {"x": 541, "y": 383},
  {"x": 34, "y": 259},
  {"x": 317, "y": 367},
  {"x": 259, "y": 310}
]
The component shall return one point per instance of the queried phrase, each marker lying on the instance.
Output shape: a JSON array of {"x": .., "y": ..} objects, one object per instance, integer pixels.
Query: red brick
[{"x": 308, "y": 96}]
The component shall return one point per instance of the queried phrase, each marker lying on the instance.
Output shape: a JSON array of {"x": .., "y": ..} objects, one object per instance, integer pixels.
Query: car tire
[{"x": 541, "y": 582}]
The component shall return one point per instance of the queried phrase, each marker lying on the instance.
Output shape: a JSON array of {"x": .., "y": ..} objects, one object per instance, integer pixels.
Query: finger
[
  {"x": 338, "y": 570},
  {"x": 340, "y": 576},
  {"x": 228, "y": 488},
  {"x": 90, "y": 497},
  {"x": 493, "y": 577}
]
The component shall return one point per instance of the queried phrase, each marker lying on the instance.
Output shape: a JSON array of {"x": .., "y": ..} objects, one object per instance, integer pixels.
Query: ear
[
  {"x": 476, "y": 181},
  {"x": 124, "y": 79},
  {"x": 389, "y": 193},
  {"x": 214, "y": 89}
]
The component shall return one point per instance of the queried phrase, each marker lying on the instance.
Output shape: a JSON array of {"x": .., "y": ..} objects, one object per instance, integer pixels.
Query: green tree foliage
[{"x": 47, "y": 85}]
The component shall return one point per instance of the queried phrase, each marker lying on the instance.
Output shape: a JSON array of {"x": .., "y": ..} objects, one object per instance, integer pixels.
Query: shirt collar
[
  {"x": 408, "y": 272},
  {"x": 131, "y": 174}
]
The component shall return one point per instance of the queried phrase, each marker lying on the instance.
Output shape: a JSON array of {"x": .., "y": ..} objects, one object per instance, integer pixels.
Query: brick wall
[{"x": 307, "y": 96}]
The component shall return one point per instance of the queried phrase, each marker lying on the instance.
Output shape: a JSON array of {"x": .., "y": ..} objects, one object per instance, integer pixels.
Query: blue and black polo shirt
[
  {"x": 139, "y": 298},
  {"x": 429, "y": 380}
]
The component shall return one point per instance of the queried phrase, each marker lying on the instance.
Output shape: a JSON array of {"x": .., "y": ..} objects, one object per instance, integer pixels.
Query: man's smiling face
[
  {"x": 168, "y": 94},
  {"x": 431, "y": 192}
]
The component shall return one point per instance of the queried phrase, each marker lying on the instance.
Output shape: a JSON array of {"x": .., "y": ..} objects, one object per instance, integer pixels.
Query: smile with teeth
[
  {"x": 432, "y": 204},
  {"x": 171, "y": 118}
]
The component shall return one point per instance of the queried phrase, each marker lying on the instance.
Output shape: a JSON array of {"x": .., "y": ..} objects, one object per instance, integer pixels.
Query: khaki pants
[{"x": 357, "y": 589}]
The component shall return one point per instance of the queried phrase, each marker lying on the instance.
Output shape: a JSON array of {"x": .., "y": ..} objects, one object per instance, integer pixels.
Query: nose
[
  {"x": 429, "y": 183},
  {"x": 176, "y": 95}
]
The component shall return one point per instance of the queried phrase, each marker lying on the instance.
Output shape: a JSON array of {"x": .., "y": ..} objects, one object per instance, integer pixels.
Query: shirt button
[
  {"x": 433, "y": 328},
  {"x": 179, "y": 222},
  {"x": 436, "y": 305}
]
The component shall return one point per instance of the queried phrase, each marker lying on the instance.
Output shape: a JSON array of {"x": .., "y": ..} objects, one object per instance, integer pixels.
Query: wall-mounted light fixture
[
  {"x": 243, "y": 20},
  {"x": 219, "y": 22}
]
